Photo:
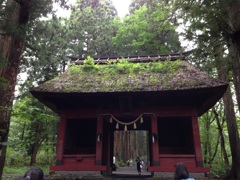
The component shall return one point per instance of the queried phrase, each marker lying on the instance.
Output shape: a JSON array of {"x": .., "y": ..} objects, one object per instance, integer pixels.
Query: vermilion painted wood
[
  {"x": 100, "y": 143},
  {"x": 77, "y": 167},
  {"x": 196, "y": 136},
  {"x": 61, "y": 135},
  {"x": 172, "y": 169},
  {"x": 162, "y": 161},
  {"x": 93, "y": 156},
  {"x": 158, "y": 111},
  {"x": 177, "y": 156},
  {"x": 155, "y": 151},
  {"x": 79, "y": 162}
]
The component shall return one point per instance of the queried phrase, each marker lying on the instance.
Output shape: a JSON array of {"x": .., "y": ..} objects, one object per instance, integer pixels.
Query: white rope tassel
[
  {"x": 125, "y": 124},
  {"x": 141, "y": 120},
  {"x": 153, "y": 139},
  {"x": 134, "y": 126}
]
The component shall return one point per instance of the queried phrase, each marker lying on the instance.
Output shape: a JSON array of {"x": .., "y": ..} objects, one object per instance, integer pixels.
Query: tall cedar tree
[
  {"x": 149, "y": 29},
  {"x": 214, "y": 25},
  {"x": 14, "y": 21},
  {"x": 91, "y": 28},
  {"x": 10, "y": 49}
]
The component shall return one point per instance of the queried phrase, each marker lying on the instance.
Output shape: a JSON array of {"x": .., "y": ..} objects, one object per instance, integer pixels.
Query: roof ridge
[{"x": 135, "y": 58}]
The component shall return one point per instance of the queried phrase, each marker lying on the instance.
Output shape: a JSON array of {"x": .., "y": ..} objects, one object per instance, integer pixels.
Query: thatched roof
[{"x": 123, "y": 76}]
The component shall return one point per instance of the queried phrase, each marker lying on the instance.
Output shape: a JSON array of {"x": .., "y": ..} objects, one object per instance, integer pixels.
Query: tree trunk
[
  {"x": 117, "y": 144},
  {"x": 135, "y": 145},
  {"x": 35, "y": 149},
  {"x": 125, "y": 146},
  {"x": 230, "y": 115},
  {"x": 222, "y": 141},
  {"x": 235, "y": 59},
  {"x": 10, "y": 52},
  {"x": 37, "y": 141}
]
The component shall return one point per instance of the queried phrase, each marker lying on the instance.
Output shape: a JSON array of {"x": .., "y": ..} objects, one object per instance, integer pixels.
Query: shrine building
[{"x": 161, "y": 94}]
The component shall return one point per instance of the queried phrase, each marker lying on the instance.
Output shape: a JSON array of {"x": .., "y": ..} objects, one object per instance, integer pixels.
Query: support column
[
  {"x": 154, "y": 141},
  {"x": 196, "y": 138},
  {"x": 61, "y": 137},
  {"x": 99, "y": 141},
  {"x": 107, "y": 155}
]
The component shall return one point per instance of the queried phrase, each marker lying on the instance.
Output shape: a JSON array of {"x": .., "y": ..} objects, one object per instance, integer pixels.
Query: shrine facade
[{"x": 165, "y": 103}]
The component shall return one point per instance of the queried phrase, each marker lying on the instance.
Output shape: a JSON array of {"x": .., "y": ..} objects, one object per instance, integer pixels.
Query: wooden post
[
  {"x": 154, "y": 141},
  {"x": 196, "y": 138},
  {"x": 99, "y": 141},
  {"x": 107, "y": 157},
  {"x": 61, "y": 137}
]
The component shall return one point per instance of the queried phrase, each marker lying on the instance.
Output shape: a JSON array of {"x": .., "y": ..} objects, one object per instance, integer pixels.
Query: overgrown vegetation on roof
[
  {"x": 125, "y": 76},
  {"x": 123, "y": 67}
]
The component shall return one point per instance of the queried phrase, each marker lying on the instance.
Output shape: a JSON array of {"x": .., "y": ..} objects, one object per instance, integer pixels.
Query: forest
[{"x": 35, "y": 44}]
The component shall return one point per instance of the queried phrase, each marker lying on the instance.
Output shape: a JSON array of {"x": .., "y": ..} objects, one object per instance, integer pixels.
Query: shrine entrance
[
  {"x": 123, "y": 139},
  {"x": 127, "y": 146}
]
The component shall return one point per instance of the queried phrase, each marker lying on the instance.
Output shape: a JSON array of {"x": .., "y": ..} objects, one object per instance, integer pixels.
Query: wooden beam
[
  {"x": 61, "y": 137},
  {"x": 158, "y": 111},
  {"x": 133, "y": 58},
  {"x": 196, "y": 138},
  {"x": 78, "y": 168},
  {"x": 172, "y": 169},
  {"x": 154, "y": 141},
  {"x": 99, "y": 141}
]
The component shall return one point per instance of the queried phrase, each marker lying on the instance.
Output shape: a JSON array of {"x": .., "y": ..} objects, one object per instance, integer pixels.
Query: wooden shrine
[{"x": 162, "y": 95}]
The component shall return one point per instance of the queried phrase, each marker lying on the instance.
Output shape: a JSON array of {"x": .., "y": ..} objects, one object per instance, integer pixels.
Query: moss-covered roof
[{"x": 125, "y": 76}]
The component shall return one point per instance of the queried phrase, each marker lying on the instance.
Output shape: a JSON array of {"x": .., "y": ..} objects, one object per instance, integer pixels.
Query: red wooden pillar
[
  {"x": 196, "y": 138},
  {"x": 99, "y": 141},
  {"x": 60, "y": 141},
  {"x": 154, "y": 141}
]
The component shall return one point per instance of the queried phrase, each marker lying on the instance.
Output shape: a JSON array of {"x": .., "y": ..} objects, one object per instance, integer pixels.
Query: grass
[{"x": 22, "y": 170}]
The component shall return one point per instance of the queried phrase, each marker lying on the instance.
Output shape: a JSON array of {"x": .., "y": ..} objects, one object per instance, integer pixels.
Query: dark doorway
[{"x": 175, "y": 135}]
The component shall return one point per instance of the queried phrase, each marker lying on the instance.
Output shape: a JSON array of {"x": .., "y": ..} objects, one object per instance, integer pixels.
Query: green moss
[
  {"x": 117, "y": 76},
  {"x": 123, "y": 67},
  {"x": 121, "y": 75}
]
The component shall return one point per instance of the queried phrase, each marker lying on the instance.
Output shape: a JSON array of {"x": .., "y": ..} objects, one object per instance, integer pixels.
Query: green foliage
[
  {"x": 218, "y": 168},
  {"x": 211, "y": 26},
  {"x": 16, "y": 158},
  {"x": 88, "y": 61},
  {"x": 90, "y": 28},
  {"x": 10, "y": 171},
  {"x": 88, "y": 65},
  {"x": 147, "y": 31},
  {"x": 123, "y": 66},
  {"x": 212, "y": 150},
  {"x": 166, "y": 66},
  {"x": 45, "y": 158},
  {"x": 32, "y": 126},
  {"x": 45, "y": 52},
  {"x": 120, "y": 163},
  {"x": 74, "y": 69}
]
